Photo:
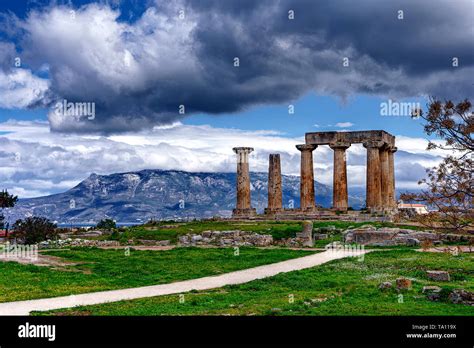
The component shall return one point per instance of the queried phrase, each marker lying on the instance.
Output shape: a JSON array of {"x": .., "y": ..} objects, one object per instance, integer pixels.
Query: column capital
[
  {"x": 340, "y": 145},
  {"x": 373, "y": 144},
  {"x": 306, "y": 147},
  {"x": 238, "y": 150}
]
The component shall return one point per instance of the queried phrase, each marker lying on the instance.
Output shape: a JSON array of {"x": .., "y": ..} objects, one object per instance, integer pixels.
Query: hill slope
[{"x": 160, "y": 194}]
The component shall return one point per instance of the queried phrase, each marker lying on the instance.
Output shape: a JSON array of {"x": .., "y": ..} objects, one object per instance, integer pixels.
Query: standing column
[
  {"x": 307, "y": 201},
  {"x": 339, "y": 193},
  {"x": 373, "y": 195},
  {"x": 392, "y": 200},
  {"x": 243, "y": 207},
  {"x": 274, "y": 184},
  {"x": 384, "y": 177}
]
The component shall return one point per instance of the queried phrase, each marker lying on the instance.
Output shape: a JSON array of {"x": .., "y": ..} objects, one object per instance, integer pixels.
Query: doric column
[
  {"x": 274, "y": 184},
  {"x": 243, "y": 206},
  {"x": 307, "y": 201},
  {"x": 391, "y": 169},
  {"x": 339, "y": 193},
  {"x": 373, "y": 195},
  {"x": 384, "y": 177}
]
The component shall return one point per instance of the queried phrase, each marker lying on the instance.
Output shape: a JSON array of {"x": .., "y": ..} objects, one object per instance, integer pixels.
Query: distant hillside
[{"x": 160, "y": 194}]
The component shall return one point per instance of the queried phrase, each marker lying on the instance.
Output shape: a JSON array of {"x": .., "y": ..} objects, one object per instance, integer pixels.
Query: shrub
[
  {"x": 34, "y": 229},
  {"x": 106, "y": 224}
]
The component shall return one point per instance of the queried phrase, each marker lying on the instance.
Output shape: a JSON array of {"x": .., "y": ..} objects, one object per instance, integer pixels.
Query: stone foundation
[
  {"x": 369, "y": 235},
  {"x": 70, "y": 242},
  {"x": 226, "y": 238}
]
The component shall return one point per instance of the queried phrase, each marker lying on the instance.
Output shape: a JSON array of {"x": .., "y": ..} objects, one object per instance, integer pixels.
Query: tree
[
  {"x": 34, "y": 229},
  {"x": 106, "y": 224},
  {"x": 450, "y": 185},
  {"x": 6, "y": 201}
]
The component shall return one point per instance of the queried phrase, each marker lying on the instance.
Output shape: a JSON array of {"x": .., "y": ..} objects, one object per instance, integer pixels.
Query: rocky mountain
[{"x": 136, "y": 197}]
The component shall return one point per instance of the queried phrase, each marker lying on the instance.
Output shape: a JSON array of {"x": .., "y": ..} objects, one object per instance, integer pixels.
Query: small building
[{"x": 413, "y": 208}]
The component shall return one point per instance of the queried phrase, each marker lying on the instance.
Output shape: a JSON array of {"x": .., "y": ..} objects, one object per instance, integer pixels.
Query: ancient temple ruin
[{"x": 380, "y": 186}]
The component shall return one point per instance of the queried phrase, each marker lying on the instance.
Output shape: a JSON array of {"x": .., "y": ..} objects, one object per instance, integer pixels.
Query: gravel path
[{"x": 237, "y": 277}]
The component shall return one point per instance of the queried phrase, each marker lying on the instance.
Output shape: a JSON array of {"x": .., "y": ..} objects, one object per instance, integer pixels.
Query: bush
[
  {"x": 106, "y": 224},
  {"x": 34, "y": 229}
]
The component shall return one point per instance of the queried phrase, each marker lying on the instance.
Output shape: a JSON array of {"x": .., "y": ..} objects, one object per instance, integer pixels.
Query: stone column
[
  {"x": 307, "y": 202},
  {"x": 339, "y": 193},
  {"x": 274, "y": 184},
  {"x": 384, "y": 177},
  {"x": 373, "y": 195},
  {"x": 243, "y": 207},
  {"x": 392, "y": 200}
]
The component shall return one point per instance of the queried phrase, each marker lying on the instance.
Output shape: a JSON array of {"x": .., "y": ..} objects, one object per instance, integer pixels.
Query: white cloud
[
  {"x": 344, "y": 124},
  {"x": 35, "y": 162},
  {"x": 20, "y": 88}
]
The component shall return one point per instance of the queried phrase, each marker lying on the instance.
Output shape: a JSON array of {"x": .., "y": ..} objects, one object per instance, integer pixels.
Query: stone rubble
[
  {"x": 152, "y": 242},
  {"x": 462, "y": 297},
  {"x": 440, "y": 276},
  {"x": 403, "y": 283},
  {"x": 433, "y": 293},
  {"x": 385, "y": 285},
  {"x": 369, "y": 235},
  {"x": 226, "y": 238},
  {"x": 76, "y": 242}
]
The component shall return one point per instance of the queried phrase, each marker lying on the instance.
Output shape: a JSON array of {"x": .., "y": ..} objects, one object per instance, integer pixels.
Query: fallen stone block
[
  {"x": 385, "y": 285},
  {"x": 403, "y": 283},
  {"x": 440, "y": 276},
  {"x": 462, "y": 297}
]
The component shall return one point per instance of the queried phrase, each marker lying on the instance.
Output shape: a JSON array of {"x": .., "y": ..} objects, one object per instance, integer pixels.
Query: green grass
[
  {"x": 278, "y": 229},
  {"x": 341, "y": 287},
  {"x": 110, "y": 269}
]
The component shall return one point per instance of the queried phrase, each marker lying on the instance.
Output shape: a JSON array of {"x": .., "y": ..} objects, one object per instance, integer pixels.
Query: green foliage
[
  {"x": 7, "y": 200},
  {"x": 34, "y": 229},
  {"x": 106, "y": 224}
]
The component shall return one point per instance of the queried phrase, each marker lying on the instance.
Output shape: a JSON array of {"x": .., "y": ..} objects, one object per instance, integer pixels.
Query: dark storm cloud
[{"x": 139, "y": 73}]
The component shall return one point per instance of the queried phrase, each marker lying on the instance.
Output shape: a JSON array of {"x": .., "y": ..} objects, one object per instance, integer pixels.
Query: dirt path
[{"x": 237, "y": 277}]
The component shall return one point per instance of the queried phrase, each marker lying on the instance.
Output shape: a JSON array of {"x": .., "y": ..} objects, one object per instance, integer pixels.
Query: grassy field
[
  {"x": 98, "y": 269},
  {"x": 341, "y": 287},
  {"x": 278, "y": 229}
]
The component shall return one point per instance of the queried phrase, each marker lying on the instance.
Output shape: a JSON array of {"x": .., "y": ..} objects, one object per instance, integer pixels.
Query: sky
[{"x": 177, "y": 84}]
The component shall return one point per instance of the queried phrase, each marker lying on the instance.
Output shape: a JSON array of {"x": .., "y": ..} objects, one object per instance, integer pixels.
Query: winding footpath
[{"x": 205, "y": 283}]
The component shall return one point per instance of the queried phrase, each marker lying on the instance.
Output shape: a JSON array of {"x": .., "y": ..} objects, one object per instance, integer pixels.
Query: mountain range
[{"x": 136, "y": 197}]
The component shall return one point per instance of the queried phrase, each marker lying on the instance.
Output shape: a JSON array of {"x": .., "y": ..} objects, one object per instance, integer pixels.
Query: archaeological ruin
[{"x": 380, "y": 184}]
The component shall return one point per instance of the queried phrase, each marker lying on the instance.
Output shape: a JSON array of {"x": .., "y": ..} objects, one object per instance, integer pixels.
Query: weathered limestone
[
  {"x": 392, "y": 199},
  {"x": 380, "y": 190},
  {"x": 274, "y": 185},
  {"x": 306, "y": 236},
  {"x": 373, "y": 184},
  {"x": 385, "y": 183},
  {"x": 439, "y": 276},
  {"x": 340, "y": 195},
  {"x": 307, "y": 202},
  {"x": 226, "y": 238},
  {"x": 243, "y": 208}
]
